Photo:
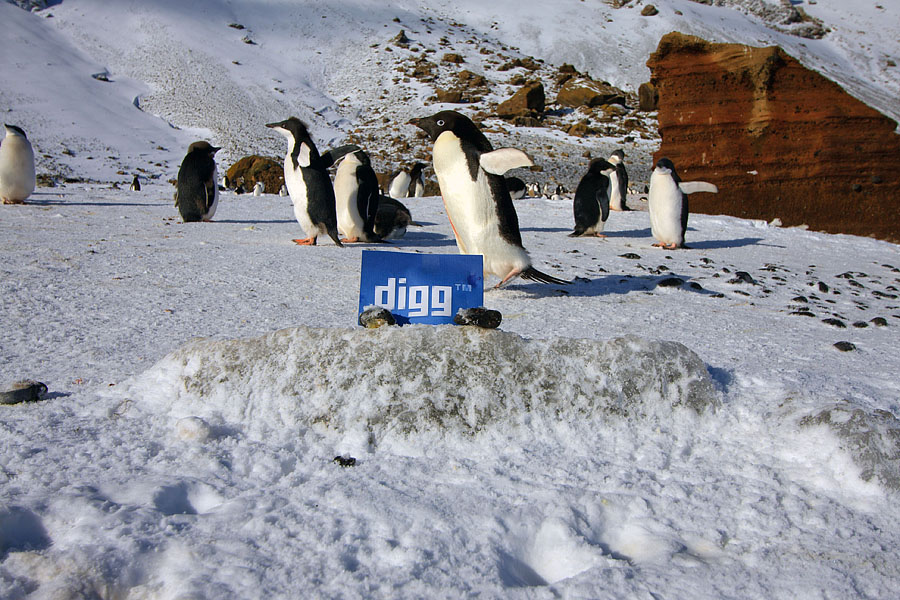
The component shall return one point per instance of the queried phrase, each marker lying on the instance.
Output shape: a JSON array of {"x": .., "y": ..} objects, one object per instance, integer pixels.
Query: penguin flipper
[
  {"x": 691, "y": 187},
  {"x": 532, "y": 274},
  {"x": 335, "y": 154},
  {"x": 603, "y": 199},
  {"x": 500, "y": 161}
]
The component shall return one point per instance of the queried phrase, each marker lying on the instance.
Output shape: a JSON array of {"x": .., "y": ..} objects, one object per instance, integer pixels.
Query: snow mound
[
  {"x": 420, "y": 378},
  {"x": 872, "y": 438}
]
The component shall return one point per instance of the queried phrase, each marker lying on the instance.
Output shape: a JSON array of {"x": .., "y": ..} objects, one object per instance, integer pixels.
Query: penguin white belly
[
  {"x": 16, "y": 169},
  {"x": 346, "y": 188},
  {"x": 399, "y": 186},
  {"x": 215, "y": 203},
  {"x": 615, "y": 198},
  {"x": 472, "y": 212},
  {"x": 293, "y": 179},
  {"x": 664, "y": 204}
]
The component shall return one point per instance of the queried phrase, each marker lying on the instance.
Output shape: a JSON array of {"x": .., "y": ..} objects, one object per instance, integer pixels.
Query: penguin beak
[
  {"x": 273, "y": 125},
  {"x": 213, "y": 149}
]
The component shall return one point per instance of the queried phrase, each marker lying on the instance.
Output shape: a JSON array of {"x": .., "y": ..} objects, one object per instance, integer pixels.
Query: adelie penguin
[
  {"x": 196, "y": 189},
  {"x": 618, "y": 179},
  {"x": 17, "y": 176},
  {"x": 591, "y": 203},
  {"x": 470, "y": 175},
  {"x": 307, "y": 181},
  {"x": 357, "y": 195},
  {"x": 408, "y": 185},
  {"x": 668, "y": 204}
]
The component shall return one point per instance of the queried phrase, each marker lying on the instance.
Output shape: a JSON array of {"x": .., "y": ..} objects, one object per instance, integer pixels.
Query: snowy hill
[
  {"x": 222, "y": 71},
  {"x": 706, "y": 423}
]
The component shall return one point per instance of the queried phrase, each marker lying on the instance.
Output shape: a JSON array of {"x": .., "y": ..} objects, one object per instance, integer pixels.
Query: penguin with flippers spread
[{"x": 481, "y": 212}]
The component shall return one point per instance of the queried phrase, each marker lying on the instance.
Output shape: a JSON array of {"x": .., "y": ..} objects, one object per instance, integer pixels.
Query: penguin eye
[{"x": 440, "y": 123}]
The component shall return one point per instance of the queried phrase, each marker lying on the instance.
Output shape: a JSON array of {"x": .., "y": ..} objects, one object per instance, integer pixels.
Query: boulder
[
  {"x": 648, "y": 97},
  {"x": 251, "y": 169},
  {"x": 779, "y": 140},
  {"x": 528, "y": 101},
  {"x": 582, "y": 91}
]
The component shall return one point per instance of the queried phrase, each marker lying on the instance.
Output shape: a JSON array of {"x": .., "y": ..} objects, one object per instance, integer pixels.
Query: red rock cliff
[{"x": 778, "y": 139}]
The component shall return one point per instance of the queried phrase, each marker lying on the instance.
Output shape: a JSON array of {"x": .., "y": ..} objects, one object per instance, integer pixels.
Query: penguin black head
[
  {"x": 292, "y": 125},
  {"x": 417, "y": 169},
  {"x": 598, "y": 165},
  {"x": 458, "y": 124},
  {"x": 667, "y": 166},
  {"x": 15, "y": 129},
  {"x": 203, "y": 147},
  {"x": 363, "y": 157},
  {"x": 620, "y": 154}
]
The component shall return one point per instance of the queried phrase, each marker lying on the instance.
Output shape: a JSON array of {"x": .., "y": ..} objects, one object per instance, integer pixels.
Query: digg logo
[{"x": 420, "y": 300}]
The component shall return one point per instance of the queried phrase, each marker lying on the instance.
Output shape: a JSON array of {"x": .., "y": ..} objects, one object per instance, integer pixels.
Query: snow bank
[{"x": 420, "y": 378}]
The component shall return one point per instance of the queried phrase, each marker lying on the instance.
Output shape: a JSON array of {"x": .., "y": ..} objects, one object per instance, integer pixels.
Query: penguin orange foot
[{"x": 307, "y": 242}]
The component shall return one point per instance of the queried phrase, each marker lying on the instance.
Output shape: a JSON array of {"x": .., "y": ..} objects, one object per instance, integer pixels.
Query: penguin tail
[
  {"x": 333, "y": 234},
  {"x": 532, "y": 274}
]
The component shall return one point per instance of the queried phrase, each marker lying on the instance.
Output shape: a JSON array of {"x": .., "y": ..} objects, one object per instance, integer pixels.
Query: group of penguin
[
  {"x": 470, "y": 173},
  {"x": 477, "y": 197}
]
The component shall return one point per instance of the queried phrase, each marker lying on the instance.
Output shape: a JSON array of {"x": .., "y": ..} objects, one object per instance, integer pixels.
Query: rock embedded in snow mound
[
  {"x": 420, "y": 378},
  {"x": 871, "y": 438}
]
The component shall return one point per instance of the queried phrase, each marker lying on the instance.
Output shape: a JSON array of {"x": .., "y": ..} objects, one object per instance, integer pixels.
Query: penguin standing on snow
[
  {"x": 356, "y": 194},
  {"x": 618, "y": 179},
  {"x": 196, "y": 191},
  {"x": 668, "y": 204},
  {"x": 470, "y": 174},
  {"x": 408, "y": 185},
  {"x": 135, "y": 184},
  {"x": 17, "y": 177},
  {"x": 591, "y": 203},
  {"x": 307, "y": 181}
]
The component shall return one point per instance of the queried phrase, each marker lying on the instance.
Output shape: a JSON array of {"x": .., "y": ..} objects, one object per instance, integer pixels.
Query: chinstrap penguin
[
  {"x": 591, "y": 204},
  {"x": 482, "y": 216},
  {"x": 307, "y": 181},
  {"x": 668, "y": 204},
  {"x": 356, "y": 195},
  {"x": 259, "y": 188},
  {"x": 17, "y": 176},
  {"x": 618, "y": 179},
  {"x": 196, "y": 190}
]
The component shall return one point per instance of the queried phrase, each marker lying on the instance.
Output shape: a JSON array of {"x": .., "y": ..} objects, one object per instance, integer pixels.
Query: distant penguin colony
[
  {"x": 591, "y": 203},
  {"x": 17, "y": 176},
  {"x": 196, "y": 189},
  {"x": 307, "y": 181},
  {"x": 357, "y": 197},
  {"x": 470, "y": 174},
  {"x": 668, "y": 204}
]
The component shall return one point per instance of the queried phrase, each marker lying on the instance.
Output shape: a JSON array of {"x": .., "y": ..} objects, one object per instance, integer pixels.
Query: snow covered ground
[
  {"x": 504, "y": 464},
  {"x": 672, "y": 424}
]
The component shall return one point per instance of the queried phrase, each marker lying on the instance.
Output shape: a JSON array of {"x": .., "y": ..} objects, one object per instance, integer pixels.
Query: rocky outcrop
[
  {"x": 582, "y": 91},
  {"x": 780, "y": 141},
  {"x": 250, "y": 169},
  {"x": 528, "y": 101}
]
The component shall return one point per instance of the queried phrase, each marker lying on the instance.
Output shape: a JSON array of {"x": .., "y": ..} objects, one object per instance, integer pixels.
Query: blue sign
[{"x": 420, "y": 288}]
